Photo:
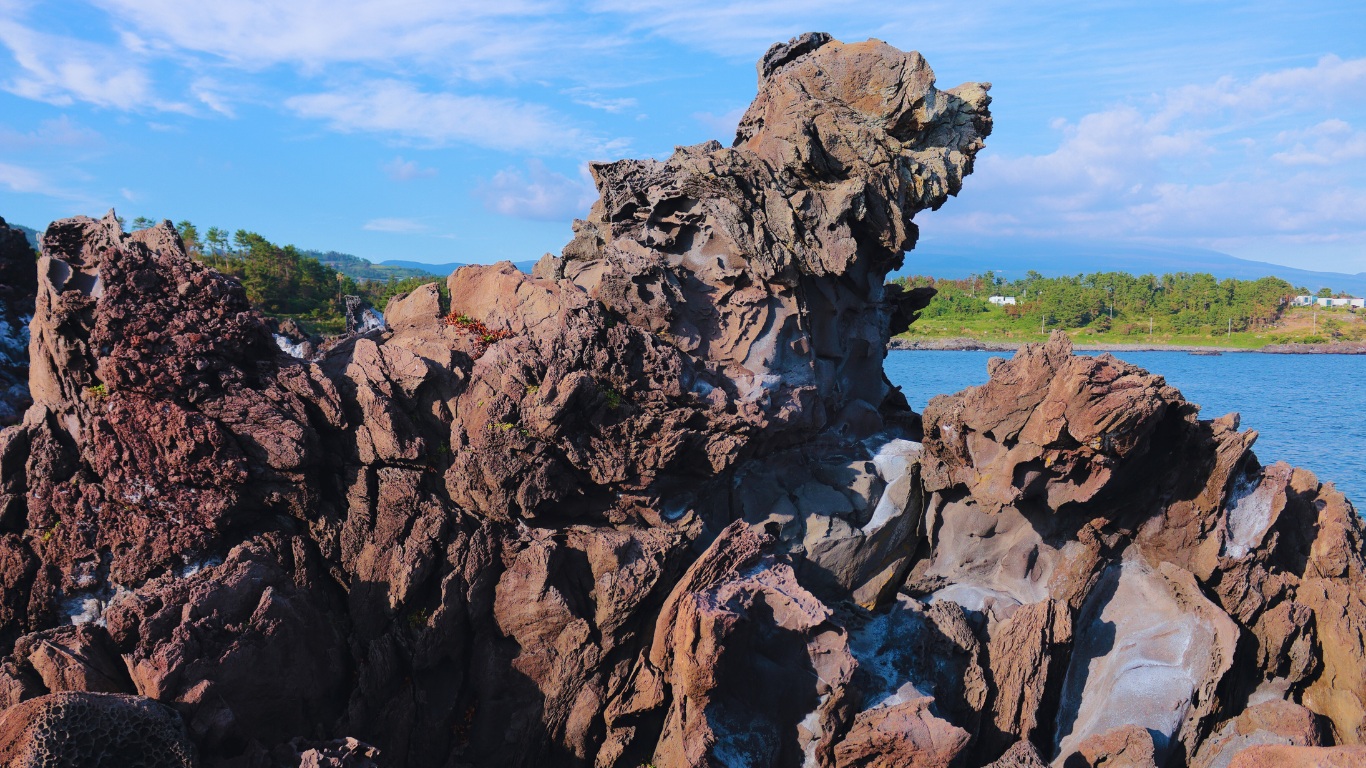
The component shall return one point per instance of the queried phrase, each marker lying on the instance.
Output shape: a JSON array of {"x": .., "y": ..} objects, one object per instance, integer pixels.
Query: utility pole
[
  {"x": 1230, "y": 328},
  {"x": 1150, "y": 330}
]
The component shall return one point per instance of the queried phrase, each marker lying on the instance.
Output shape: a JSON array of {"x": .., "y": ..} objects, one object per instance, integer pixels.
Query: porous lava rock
[
  {"x": 656, "y": 503},
  {"x": 93, "y": 730},
  {"x": 18, "y": 288}
]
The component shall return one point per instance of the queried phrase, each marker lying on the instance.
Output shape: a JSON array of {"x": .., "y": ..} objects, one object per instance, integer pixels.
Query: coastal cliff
[{"x": 654, "y": 503}]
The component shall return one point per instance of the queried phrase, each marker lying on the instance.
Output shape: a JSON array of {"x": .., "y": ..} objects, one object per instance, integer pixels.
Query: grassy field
[{"x": 1297, "y": 325}]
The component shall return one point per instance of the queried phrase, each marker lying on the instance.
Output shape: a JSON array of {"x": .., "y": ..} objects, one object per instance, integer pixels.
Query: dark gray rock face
[{"x": 18, "y": 287}]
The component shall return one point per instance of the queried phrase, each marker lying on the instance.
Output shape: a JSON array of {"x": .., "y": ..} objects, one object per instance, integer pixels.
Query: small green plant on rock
[
  {"x": 613, "y": 398},
  {"x": 418, "y": 618},
  {"x": 97, "y": 392}
]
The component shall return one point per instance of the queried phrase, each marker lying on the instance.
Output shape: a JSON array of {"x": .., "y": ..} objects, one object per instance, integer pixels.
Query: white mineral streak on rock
[
  {"x": 1249, "y": 514},
  {"x": 1148, "y": 646}
]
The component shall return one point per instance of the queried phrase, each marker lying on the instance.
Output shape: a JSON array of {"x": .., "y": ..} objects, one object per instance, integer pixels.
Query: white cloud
[
  {"x": 63, "y": 70},
  {"x": 539, "y": 194},
  {"x": 1199, "y": 164},
  {"x": 1328, "y": 143},
  {"x": 440, "y": 119},
  {"x": 397, "y": 226},
  {"x": 19, "y": 179},
  {"x": 469, "y": 37},
  {"x": 604, "y": 103},
  {"x": 399, "y": 169},
  {"x": 25, "y": 180}
]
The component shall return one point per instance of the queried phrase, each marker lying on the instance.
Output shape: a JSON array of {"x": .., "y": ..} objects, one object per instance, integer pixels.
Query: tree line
[
  {"x": 1181, "y": 302},
  {"x": 283, "y": 281}
]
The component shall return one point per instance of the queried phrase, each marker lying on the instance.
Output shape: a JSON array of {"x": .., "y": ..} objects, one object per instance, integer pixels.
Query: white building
[
  {"x": 1343, "y": 302},
  {"x": 1302, "y": 301},
  {"x": 1001, "y": 301}
]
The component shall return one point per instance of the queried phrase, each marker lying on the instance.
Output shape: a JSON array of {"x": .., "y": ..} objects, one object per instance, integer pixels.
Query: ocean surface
[{"x": 1308, "y": 410}]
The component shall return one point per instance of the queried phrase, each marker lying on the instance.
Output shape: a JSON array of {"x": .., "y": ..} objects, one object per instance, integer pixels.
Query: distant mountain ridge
[
  {"x": 1056, "y": 259},
  {"x": 956, "y": 260},
  {"x": 30, "y": 233},
  {"x": 392, "y": 269},
  {"x": 445, "y": 269}
]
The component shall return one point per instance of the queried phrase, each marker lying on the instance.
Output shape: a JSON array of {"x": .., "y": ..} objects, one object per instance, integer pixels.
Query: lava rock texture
[
  {"x": 18, "y": 286},
  {"x": 655, "y": 503}
]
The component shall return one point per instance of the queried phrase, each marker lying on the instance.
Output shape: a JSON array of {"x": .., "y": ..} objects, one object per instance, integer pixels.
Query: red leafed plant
[{"x": 485, "y": 335}]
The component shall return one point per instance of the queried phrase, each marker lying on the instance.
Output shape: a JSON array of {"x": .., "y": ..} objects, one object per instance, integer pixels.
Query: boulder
[{"x": 94, "y": 730}]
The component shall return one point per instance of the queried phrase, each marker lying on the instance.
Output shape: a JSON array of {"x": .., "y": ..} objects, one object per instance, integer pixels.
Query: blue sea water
[{"x": 1308, "y": 410}]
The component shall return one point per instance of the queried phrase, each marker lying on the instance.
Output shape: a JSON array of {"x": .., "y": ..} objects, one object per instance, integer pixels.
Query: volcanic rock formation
[
  {"x": 656, "y": 503},
  {"x": 18, "y": 286}
]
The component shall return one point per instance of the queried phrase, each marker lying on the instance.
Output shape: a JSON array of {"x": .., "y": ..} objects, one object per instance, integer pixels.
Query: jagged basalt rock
[
  {"x": 18, "y": 288},
  {"x": 656, "y": 503}
]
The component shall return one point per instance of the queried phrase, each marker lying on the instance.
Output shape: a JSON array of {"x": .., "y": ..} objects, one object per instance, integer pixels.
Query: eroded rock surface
[
  {"x": 656, "y": 503},
  {"x": 18, "y": 287}
]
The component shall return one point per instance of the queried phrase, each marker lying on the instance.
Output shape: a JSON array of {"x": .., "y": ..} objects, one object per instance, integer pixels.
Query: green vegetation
[
  {"x": 285, "y": 282},
  {"x": 97, "y": 392},
  {"x": 1118, "y": 308},
  {"x": 613, "y": 398}
]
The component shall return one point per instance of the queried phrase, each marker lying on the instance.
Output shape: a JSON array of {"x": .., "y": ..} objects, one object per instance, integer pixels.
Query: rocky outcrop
[
  {"x": 655, "y": 502},
  {"x": 95, "y": 731},
  {"x": 18, "y": 287}
]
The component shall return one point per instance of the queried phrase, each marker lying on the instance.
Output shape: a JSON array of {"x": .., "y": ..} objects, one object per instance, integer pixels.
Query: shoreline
[{"x": 963, "y": 344}]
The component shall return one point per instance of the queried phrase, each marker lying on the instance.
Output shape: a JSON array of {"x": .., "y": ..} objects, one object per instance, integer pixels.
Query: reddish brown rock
[
  {"x": 1128, "y": 746},
  {"x": 904, "y": 734},
  {"x": 1028, "y": 654},
  {"x": 1271, "y": 722},
  {"x": 656, "y": 502},
  {"x": 1300, "y": 757},
  {"x": 1022, "y": 754},
  {"x": 94, "y": 730},
  {"x": 18, "y": 288}
]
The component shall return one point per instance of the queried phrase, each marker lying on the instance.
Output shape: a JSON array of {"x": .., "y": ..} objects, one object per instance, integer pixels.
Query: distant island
[{"x": 1119, "y": 310}]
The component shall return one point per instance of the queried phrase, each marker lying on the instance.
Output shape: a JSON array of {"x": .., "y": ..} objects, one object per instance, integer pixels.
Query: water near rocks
[{"x": 1309, "y": 410}]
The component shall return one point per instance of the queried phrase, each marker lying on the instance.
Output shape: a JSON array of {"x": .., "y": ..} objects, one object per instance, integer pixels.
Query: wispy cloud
[
  {"x": 63, "y": 70},
  {"x": 1328, "y": 143},
  {"x": 61, "y": 132},
  {"x": 1194, "y": 165},
  {"x": 472, "y": 38},
  {"x": 439, "y": 119},
  {"x": 25, "y": 180},
  {"x": 538, "y": 194},
  {"x": 722, "y": 125},
  {"x": 399, "y": 169},
  {"x": 595, "y": 100},
  {"x": 396, "y": 226}
]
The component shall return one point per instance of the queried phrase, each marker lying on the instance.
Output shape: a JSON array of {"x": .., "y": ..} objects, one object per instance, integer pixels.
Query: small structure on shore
[
  {"x": 1342, "y": 301},
  {"x": 1001, "y": 301}
]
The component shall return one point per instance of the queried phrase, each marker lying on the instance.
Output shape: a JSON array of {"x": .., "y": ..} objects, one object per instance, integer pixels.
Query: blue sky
[{"x": 459, "y": 131}]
